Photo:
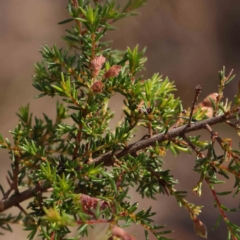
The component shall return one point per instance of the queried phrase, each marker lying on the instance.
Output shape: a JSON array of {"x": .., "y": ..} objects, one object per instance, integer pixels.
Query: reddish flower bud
[
  {"x": 200, "y": 228},
  {"x": 97, "y": 64},
  {"x": 97, "y": 87},
  {"x": 113, "y": 71},
  {"x": 89, "y": 203}
]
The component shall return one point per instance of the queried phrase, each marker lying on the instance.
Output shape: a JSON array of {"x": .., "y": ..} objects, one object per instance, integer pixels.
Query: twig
[
  {"x": 216, "y": 199},
  {"x": 211, "y": 187},
  {"x": 16, "y": 199},
  {"x": 229, "y": 75},
  {"x": 214, "y": 164},
  {"x": 220, "y": 91},
  {"x": 75, "y": 3},
  {"x": 9, "y": 190},
  {"x": 182, "y": 114},
  {"x": 132, "y": 148},
  {"x": 15, "y": 174},
  {"x": 233, "y": 125},
  {"x": 214, "y": 135},
  {"x": 190, "y": 144},
  {"x": 226, "y": 169},
  {"x": 162, "y": 182},
  {"x": 219, "y": 205},
  {"x": 198, "y": 90},
  {"x": 80, "y": 222},
  {"x": 52, "y": 235},
  {"x": 21, "y": 209}
]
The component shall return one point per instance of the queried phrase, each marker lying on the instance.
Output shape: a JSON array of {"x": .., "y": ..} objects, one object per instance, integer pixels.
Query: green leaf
[
  {"x": 80, "y": 19},
  {"x": 146, "y": 234},
  {"x": 66, "y": 21},
  {"x": 223, "y": 193},
  {"x": 218, "y": 222},
  {"x": 59, "y": 89}
]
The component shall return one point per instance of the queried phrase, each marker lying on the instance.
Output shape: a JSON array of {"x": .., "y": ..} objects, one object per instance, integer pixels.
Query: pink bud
[
  {"x": 97, "y": 64},
  {"x": 113, "y": 71},
  {"x": 200, "y": 228},
  {"x": 97, "y": 87}
]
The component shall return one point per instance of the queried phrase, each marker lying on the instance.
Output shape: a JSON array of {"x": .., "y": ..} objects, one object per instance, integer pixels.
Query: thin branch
[
  {"x": 80, "y": 222},
  {"x": 21, "y": 209},
  {"x": 214, "y": 135},
  {"x": 197, "y": 92},
  {"x": 220, "y": 207},
  {"x": 16, "y": 199},
  {"x": 15, "y": 174},
  {"x": 209, "y": 183},
  {"x": 225, "y": 169},
  {"x": 233, "y": 125},
  {"x": 222, "y": 143},
  {"x": 190, "y": 144},
  {"x": 220, "y": 90},
  {"x": 6, "y": 194},
  {"x": 52, "y": 235},
  {"x": 108, "y": 158},
  {"x": 133, "y": 148},
  {"x": 214, "y": 164}
]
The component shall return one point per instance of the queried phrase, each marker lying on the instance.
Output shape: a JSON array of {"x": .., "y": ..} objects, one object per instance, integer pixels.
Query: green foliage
[{"x": 61, "y": 156}]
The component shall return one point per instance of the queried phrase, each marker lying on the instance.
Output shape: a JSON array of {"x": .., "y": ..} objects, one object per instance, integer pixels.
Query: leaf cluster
[{"x": 58, "y": 156}]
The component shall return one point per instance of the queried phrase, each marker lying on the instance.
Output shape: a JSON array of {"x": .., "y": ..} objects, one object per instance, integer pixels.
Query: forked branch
[{"x": 108, "y": 158}]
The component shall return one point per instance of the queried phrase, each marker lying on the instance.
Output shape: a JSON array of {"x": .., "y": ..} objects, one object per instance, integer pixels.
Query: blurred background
[{"x": 188, "y": 41}]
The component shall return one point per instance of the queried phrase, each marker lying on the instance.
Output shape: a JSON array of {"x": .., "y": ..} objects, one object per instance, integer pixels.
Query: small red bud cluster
[
  {"x": 200, "y": 228},
  {"x": 113, "y": 71},
  {"x": 97, "y": 87},
  {"x": 89, "y": 203},
  {"x": 96, "y": 65}
]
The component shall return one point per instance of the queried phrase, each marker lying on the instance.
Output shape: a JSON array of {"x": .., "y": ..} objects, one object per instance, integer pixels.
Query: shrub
[{"x": 76, "y": 171}]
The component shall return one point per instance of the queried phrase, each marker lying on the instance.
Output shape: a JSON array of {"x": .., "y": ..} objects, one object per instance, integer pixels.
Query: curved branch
[
  {"x": 107, "y": 158},
  {"x": 15, "y": 199}
]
